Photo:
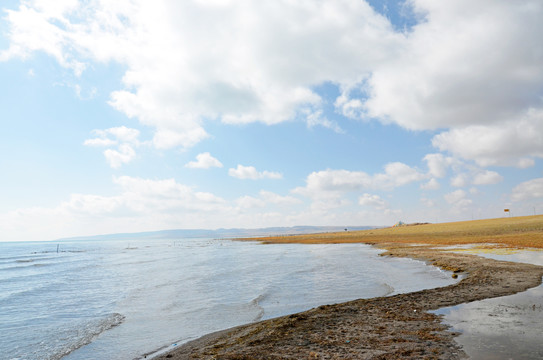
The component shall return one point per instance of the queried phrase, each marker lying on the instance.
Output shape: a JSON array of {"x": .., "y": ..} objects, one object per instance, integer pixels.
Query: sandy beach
[{"x": 394, "y": 327}]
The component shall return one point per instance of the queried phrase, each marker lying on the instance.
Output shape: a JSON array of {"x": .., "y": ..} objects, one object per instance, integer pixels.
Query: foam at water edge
[{"x": 87, "y": 334}]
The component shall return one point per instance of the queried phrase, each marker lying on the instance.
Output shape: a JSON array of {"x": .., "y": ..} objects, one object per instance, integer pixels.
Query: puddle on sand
[
  {"x": 528, "y": 256},
  {"x": 509, "y": 327}
]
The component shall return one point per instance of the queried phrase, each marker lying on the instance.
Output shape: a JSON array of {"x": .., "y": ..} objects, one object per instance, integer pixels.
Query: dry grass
[{"x": 517, "y": 232}]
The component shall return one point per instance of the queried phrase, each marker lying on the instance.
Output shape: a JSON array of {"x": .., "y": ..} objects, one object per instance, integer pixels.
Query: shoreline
[{"x": 377, "y": 328}]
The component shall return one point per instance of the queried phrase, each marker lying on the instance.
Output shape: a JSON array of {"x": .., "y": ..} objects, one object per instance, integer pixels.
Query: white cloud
[
  {"x": 33, "y": 29},
  {"x": 463, "y": 65},
  {"x": 372, "y": 200},
  {"x": 191, "y": 61},
  {"x": 476, "y": 176},
  {"x": 472, "y": 68},
  {"x": 123, "y": 155},
  {"x": 398, "y": 174},
  {"x": 511, "y": 142},
  {"x": 458, "y": 200},
  {"x": 264, "y": 200},
  {"x": 250, "y": 172},
  {"x": 428, "y": 202},
  {"x": 204, "y": 161},
  {"x": 315, "y": 118},
  {"x": 460, "y": 180},
  {"x": 432, "y": 184},
  {"x": 531, "y": 189},
  {"x": 331, "y": 183},
  {"x": 249, "y": 202},
  {"x": 487, "y": 177},
  {"x": 167, "y": 138},
  {"x": 273, "y": 198},
  {"x": 145, "y": 195},
  {"x": 100, "y": 142},
  {"x": 125, "y": 138},
  {"x": 139, "y": 205},
  {"x": 438, "y": 164},
  {"x": 113, "y": 136},
  {"x": 121, "y": 133}
]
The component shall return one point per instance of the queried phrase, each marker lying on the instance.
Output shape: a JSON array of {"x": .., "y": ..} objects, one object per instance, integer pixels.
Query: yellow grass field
[{"x": 516, "y": 232}]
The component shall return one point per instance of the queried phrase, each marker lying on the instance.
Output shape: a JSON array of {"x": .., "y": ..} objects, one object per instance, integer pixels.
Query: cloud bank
[{"x": 471, "y": 69}]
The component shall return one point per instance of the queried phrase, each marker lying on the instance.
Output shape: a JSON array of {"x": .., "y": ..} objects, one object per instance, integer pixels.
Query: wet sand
[{"x": 399, "y": 326}]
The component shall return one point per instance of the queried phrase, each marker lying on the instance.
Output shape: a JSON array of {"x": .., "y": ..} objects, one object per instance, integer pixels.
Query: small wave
[
  {"x": 14, "y": 297},
  {"x": 389, "y": 290},
  {"x": 85, "y": 335},
  {"x": 256, "y": 304},
  {"x": 22, "y": 259},
  {"x": 26, "y": 265}
]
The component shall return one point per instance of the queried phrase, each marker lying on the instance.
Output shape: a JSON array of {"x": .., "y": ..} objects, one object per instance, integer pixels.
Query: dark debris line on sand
[{"x": 395, "y": 327}]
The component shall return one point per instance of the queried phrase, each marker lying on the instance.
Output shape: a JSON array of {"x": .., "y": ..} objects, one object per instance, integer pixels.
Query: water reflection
[{"x": 508, "y": 327}]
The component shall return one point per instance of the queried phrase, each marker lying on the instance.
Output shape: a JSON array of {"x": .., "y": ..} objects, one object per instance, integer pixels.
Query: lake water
[
  {"x": 503, "y": 328},
  {"x": 124, "y": 299}
]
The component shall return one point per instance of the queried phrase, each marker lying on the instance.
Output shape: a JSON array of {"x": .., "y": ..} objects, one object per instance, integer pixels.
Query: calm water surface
[{"x": 508, "y": 327}]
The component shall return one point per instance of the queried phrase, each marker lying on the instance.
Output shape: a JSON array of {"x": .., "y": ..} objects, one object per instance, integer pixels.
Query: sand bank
[{"x": 399, "y": 326}]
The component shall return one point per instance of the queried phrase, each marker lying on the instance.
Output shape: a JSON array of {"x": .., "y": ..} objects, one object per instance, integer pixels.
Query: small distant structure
[
  {"x": 507, "y": 211},
  {"x": 399, "y": 223}
]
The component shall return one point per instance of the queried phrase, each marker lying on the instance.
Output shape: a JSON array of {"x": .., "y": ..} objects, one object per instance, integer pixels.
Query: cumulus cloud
[
  {"x": 428, "y": 202},
  {"x": 476, "y": 176},
  {"x": 432, "y": 184},
  {"x": 464, "y": 64},
  {"x": 125, "y": 139},
  {"x": 192, "y": 61},
  {"x": 273, "y": 198},
  {"x": 438, "y": 164},
  {"x": 144, "y": 195},
  {"x": 515, "y": 142},
  {"x": 472, "y": 68},
  {"x": 113, "y": 136},
  {"x": 139, "y": 205},
  {"x": 487, "y": 177},
  {"x": 248, "y": 202},
  {"x": 315, "y": 118},
  {"x": 100, "y": 142},
  {"x": 397, "y": 174},
  {"x": 458, "y": 199},
  {"x": 333, "y": 182},
  {"x": 374, "y": 201},
  {"x": 123, "y": 155},
  {"x": 204, "y": 161},
  {"x": 250, "y": 172},
  {"x": 460, "y": 180},
  {"x": 265, "y": 198},
  {"x": 531, "y": 189}
]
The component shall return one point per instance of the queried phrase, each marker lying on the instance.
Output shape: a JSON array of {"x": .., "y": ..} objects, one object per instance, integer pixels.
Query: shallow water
[
  {"x": 503, "y": 328},
  {"x": 120, "y": 300}
]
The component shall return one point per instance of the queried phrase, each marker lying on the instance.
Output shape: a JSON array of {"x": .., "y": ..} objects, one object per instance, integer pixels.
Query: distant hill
[{"x": 220, "y": 233}]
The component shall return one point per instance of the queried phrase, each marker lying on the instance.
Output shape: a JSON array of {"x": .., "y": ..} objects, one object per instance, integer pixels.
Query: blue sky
[{"x": 135, "y": 115}]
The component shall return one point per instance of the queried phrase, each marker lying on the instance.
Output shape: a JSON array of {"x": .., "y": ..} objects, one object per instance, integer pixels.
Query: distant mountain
[{"x": 220, "y": 233}]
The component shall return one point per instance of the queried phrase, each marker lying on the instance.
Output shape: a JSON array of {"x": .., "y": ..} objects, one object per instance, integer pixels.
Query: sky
[{"x": 137, "y": 115}]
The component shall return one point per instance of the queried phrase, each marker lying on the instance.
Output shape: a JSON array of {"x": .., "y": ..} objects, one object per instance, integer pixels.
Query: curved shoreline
[{"x": 398, "y": 326}]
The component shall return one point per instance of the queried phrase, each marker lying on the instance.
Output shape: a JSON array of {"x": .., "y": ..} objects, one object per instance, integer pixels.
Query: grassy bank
[{"x": 525, "y": 231}]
